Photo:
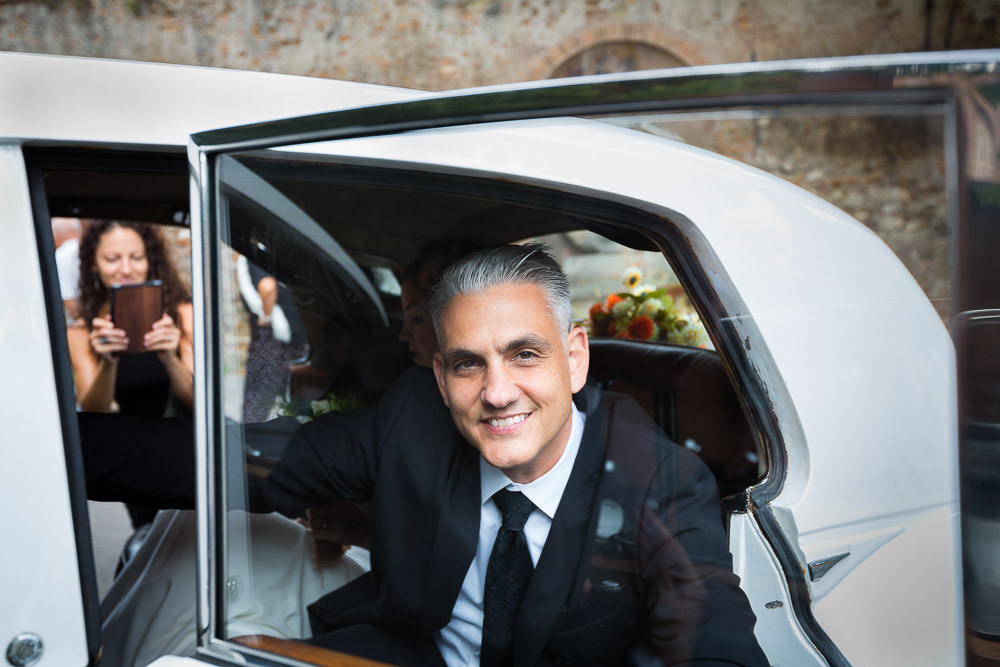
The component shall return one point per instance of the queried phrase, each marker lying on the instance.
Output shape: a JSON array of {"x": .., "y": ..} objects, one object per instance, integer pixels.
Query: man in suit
[{"x": 622, "y": 552}]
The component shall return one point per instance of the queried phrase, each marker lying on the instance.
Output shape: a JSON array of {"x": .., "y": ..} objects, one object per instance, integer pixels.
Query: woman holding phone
[{"x": 159, "y": 380}]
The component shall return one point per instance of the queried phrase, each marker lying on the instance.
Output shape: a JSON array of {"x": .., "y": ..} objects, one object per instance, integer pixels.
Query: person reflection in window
[
  {"x": 415, "y": 295},
  {"x": 277, "y": 339}
]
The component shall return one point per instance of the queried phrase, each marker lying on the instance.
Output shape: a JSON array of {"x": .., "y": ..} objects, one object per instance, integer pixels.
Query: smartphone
[{"x": 134, "y": 308}]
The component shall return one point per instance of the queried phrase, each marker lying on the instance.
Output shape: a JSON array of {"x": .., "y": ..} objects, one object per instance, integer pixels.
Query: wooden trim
[{"x": 296, "y": 650}]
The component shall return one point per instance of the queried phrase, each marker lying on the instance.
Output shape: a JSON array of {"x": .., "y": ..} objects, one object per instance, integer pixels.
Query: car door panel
[
  {"x": 41, "y": 577},
  {"x": 846, "y": 407}
]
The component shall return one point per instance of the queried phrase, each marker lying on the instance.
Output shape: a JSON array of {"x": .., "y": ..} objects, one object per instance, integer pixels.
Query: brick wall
[
  {"x": 895, "y": 186},
  {"x": 443, "y": 44}
]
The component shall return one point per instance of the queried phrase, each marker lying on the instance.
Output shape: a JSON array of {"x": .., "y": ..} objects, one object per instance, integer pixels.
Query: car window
[
  {"x": 337, "y": 245},
  {"x": 603, "y": 274},
  {"x": 886, "y": 166},
  {"x": 70, "y": 189}
]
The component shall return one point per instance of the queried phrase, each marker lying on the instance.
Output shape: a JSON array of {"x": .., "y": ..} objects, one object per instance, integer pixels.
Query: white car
[{"x": 821, "y": 387}]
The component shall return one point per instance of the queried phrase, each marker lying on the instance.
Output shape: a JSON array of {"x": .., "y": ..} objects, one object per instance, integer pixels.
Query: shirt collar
[{"x": 546, "y": 491}]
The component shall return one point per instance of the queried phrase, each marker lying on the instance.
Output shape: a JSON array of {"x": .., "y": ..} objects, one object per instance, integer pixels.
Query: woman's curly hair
[{"x": 93, "y": 293}]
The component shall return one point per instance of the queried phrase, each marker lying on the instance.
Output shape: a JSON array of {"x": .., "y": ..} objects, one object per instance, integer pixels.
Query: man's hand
[{"x": 335, "y": 526}]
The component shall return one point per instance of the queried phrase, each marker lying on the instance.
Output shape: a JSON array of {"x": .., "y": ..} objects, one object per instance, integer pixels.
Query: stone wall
[
  {"x": 443, "y": 44},
  {"x": 887, "y": 172}
]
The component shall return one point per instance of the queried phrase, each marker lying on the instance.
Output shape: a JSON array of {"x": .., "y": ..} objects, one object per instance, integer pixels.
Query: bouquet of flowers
[
  {"x": 643, "y": 313},
  {"x": 305, "y": 410}
]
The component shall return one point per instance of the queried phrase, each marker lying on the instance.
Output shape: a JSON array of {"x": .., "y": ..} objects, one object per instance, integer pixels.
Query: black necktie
[{"x": 507, "y": 576}]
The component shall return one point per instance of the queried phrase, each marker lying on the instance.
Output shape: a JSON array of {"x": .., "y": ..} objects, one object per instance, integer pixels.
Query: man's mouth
[{"x": 501, "y": 422}]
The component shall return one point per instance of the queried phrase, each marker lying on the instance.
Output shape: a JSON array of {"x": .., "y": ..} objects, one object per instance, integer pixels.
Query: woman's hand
[
  {"x": 105, "y": 339},
  {"x": 164, "y": 338}
]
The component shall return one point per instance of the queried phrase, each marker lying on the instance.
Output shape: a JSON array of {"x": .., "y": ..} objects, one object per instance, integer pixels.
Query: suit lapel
[
  {"x": 557, "y": 569},
  {"x": 456, "y": 537}
]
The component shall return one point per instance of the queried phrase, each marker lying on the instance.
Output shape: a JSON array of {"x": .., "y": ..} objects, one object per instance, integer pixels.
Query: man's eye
[
  {"x": 465, "y": 366},
  {"x": 525, "y": 355}
]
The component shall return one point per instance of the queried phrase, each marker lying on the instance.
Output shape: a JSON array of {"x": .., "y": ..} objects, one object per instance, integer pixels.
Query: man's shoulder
[
  {"x": 638, "y": 449},
  {"x": 413, "y": 405},
  {"x": 415, "y": 388}
]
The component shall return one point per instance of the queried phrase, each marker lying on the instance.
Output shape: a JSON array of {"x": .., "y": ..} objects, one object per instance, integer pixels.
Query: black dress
[{"x": 142, "y": 388}]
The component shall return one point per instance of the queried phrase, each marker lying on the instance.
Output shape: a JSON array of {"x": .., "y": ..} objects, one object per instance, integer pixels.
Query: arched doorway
[{"x": 616, "y": 56}]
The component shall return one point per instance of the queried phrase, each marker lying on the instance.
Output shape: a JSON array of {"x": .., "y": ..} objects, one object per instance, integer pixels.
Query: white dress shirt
[{"x": 460, "y": 640}]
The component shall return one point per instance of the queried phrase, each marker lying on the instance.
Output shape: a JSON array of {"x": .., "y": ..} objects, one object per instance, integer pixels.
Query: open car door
[{"x": 846, "y": 532}]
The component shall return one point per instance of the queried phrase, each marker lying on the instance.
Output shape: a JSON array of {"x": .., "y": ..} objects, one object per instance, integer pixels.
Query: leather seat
[{"x": 687, "y": 392}]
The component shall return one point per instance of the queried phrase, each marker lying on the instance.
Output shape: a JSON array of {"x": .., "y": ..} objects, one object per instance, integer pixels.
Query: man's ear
[
  {"x": 578, "y": 350},
  {"x": 439, "y": 374}
]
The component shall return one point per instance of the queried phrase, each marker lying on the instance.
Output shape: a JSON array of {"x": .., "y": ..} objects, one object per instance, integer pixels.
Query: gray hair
[{"x": 528, "y": 264}]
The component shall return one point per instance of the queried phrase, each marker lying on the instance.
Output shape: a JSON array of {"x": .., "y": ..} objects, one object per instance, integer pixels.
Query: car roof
[{"x": 60, "y": 99}]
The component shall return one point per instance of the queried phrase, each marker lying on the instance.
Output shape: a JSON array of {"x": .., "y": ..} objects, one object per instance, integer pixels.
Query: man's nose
[
  {"x": 404, "y": 333},
  {"x": 500, "y": 388}
]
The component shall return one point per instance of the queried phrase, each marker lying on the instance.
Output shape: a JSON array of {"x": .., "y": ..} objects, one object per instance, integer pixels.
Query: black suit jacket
[{"x": 636, "y": 567}]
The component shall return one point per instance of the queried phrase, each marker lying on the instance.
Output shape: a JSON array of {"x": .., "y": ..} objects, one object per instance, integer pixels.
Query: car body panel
[
  {"x": 40, "y": 579},
  {"x": 777, "y": 629},
  {"x": 101, "y": 101}
]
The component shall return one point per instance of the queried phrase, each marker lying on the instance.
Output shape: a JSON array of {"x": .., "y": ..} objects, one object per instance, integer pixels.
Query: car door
[
  {"x": 843, "y": 367},
  {"x": 50, "y": 614}
]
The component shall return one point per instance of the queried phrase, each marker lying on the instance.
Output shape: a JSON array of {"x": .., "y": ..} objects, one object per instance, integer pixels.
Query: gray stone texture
[{"x": 443, "y": 44}]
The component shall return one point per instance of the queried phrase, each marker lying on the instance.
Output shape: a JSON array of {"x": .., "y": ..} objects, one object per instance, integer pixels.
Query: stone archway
[
  {"x": 619, "y": 56},
  {"x": 616, "y": 47}
]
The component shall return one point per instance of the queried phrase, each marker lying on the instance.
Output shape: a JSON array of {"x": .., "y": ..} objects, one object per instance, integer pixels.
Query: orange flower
[
  {"x": 612, "y": 300},
  {"x": 641, "y": 328},
  {"x": 597, "y": 310}
]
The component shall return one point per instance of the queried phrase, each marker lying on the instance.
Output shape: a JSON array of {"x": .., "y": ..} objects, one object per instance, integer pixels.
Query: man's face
[{"x": 508, "y": 372}]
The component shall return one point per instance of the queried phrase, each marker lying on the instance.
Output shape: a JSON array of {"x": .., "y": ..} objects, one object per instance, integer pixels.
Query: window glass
[
  {"x": 117, "y": 529},
  {"x": 345, "y": 252},
  {"x": 885, "y": 166},
  {"x": 620, "y": 292}
]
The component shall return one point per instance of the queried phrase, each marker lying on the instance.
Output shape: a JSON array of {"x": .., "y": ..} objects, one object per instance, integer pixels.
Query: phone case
[{"x": 134, "y": 308}]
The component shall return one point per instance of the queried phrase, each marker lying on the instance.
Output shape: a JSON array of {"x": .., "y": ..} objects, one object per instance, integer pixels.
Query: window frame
[
  {"x": 909, "y": 78},
  {"x": 698, "y": 270},
  {"x": 38, "y": 160}
]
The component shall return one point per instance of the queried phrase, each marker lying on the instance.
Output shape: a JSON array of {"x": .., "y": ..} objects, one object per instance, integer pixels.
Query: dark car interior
[{"x": 382, "y": 217}]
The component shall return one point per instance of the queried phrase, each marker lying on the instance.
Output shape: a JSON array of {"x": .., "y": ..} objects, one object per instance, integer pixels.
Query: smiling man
[
  {"x": 528, "y": 518},
  {"x": 508, "y": 373},
  {"x": 612, "y": 573}
]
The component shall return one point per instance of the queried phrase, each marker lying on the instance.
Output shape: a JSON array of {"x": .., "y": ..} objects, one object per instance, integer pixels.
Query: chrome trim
[
  {"x": 819, "y": 568},
  {"x": 864, "y": 78},
  {"x": 201, "y": 189}
]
